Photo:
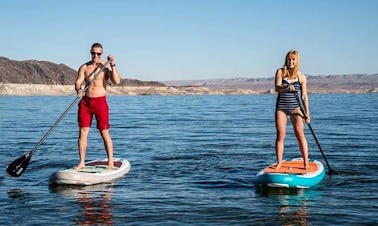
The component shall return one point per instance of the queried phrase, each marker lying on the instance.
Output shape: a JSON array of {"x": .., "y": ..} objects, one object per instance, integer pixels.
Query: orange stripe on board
[{"x": 292, "y": 167}]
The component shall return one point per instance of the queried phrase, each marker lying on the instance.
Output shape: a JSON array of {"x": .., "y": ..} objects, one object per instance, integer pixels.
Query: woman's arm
[{"x": 278, "y": 83}]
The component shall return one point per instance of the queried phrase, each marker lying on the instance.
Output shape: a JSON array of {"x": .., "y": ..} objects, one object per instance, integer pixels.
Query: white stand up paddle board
[{"x": 94, "y": 172}]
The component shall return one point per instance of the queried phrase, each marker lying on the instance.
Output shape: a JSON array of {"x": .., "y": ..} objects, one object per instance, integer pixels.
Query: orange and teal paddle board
[{"x": 291, "y": 174}]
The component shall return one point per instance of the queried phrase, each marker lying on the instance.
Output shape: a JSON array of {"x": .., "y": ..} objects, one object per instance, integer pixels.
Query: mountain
[
  {"x": 35, "y": 72},
  {"x": 48, "y": 73}
]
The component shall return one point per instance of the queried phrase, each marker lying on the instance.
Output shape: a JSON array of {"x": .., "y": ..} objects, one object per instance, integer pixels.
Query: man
[{"x": 94, "y": 101}]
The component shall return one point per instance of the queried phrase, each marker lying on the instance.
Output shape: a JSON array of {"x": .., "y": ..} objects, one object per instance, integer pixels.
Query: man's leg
[
  {"x": 82, "y": 146},
  {"x": 108, "y": 144}
]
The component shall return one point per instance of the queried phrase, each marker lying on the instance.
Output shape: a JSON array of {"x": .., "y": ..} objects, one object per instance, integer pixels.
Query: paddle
[
  {"x": 330, "y": 170},
  {"x": 18, "y": 166}
]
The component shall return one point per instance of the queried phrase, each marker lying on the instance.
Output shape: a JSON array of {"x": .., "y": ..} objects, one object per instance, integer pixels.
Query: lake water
[{"x": 193, "y": 161}]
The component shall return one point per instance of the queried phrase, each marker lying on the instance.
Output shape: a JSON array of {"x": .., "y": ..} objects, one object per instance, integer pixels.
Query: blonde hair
[{"x": 291, "y": 73}]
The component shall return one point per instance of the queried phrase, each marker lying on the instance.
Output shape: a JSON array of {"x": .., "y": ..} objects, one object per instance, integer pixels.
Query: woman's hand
[{"x": 308, "y": 119}]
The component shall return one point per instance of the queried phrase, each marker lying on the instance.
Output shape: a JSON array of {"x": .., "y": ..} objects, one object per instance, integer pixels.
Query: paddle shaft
[
  {"x": 18, "y": 166},
  {"x": 331, "y": 171}
]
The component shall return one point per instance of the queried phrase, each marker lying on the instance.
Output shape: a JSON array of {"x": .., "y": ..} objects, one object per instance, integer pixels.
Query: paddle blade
[{"x": 18, "y": 166}]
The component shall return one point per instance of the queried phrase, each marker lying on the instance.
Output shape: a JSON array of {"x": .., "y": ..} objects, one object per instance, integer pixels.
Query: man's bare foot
[
  {"x": 80, "y": 166},
  {"x": 110, "y": 166}
]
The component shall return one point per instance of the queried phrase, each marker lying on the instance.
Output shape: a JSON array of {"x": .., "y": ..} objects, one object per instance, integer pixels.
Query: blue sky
[{"x": 196, "y": 39}]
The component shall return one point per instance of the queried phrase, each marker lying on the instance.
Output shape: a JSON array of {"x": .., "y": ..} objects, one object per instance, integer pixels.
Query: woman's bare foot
[
  {"x": 277, "y": 165},
  {"x": 306, "y": 165}
]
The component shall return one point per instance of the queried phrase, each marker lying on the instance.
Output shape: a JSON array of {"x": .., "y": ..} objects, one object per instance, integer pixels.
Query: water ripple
[{"x": 193, "y": 161}]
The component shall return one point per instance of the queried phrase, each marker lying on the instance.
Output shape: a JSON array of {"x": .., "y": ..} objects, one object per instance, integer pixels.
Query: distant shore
[{"x": 66, "y": 90}]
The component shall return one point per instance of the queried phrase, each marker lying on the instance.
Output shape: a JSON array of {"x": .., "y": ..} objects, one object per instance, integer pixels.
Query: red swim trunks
[{"x": 96, "y": 106}]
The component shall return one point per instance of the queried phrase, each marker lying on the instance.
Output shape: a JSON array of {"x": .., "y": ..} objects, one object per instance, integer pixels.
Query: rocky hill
[
  {"x": 35, "y": 72},
  {"x": 48, "y": 73}
]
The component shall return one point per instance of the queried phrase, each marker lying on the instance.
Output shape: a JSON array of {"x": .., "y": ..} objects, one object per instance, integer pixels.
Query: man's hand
[
  {"x": 111, "y": 60},
  {"x": 80, "y": 93}
]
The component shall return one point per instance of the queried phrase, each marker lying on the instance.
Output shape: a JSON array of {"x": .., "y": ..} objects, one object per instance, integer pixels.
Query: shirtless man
[{"x": 94, "y": 102}]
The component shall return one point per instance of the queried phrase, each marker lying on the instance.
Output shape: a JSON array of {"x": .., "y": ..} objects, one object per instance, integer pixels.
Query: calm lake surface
[{"x": 193, "y": 161}]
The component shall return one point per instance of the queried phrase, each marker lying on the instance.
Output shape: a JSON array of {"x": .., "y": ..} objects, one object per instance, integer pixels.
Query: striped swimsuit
[{"x": 286, "y": 100}]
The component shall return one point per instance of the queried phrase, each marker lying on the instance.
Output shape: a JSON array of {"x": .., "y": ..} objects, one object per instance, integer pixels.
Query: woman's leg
[
  {"x": 297, "y": 122},
  {"x": 281, "y": 121}
]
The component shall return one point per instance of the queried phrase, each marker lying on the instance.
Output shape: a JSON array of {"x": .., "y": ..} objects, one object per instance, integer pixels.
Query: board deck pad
[
  {"x": 104, "y": 163},
  {"x": 99, "y": 166},
  {"x": 292, "y": 167},
  {"x": 94, "y": 169}
]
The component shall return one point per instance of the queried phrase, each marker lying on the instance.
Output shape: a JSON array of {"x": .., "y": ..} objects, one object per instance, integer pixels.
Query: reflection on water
[
  {"x": 292, "y": 208},
  {"x": 17, "y": 195},
  {"x": 94, "y": 201}
]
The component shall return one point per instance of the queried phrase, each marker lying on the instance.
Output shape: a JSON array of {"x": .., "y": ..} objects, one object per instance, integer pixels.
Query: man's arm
[
  {"x": 113, "y": 72},
  {"x": 115, "y": 78},
  {"x": 80, "y": 79}
]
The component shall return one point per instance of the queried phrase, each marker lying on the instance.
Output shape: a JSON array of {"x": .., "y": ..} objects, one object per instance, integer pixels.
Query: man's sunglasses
[{"x": 94, "y": 53}]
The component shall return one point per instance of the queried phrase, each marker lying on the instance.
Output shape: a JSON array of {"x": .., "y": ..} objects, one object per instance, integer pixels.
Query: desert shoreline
[{"x": 10, "y": 89}]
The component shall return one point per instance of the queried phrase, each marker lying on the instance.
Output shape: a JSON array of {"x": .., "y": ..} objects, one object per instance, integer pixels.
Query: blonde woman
[{"x": 289, "y": 82}]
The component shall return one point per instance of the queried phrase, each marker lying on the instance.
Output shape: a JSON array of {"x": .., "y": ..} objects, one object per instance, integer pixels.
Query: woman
[{"x": 290, "y": 82}]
